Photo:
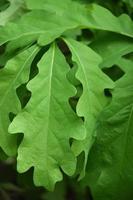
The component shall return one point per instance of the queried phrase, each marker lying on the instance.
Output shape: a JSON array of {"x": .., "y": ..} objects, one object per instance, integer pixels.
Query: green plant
[{"x": 66, "y": 93}]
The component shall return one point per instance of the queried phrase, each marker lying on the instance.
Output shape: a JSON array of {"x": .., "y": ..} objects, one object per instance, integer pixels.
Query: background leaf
[
  {"x": 15, "y": 73},
  {"x": 110, "y": 165}
]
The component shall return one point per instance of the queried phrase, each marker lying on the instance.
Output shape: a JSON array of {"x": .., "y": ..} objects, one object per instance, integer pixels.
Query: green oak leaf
[
  {"x": 47, "y": 26},
  {"x": 111, "y": 47},
  {"x": 90, "y": 16},
  {"x": 92, "y": 100},
  {"x": 36, "y": 25},
  {"x": 48, "y": 122},
  {"x": 110, "y": 165},
  {"x": 15, "y": 73}
]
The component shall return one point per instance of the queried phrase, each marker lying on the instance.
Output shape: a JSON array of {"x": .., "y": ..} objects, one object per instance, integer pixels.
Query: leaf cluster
[{"x": 66, "y": 91}]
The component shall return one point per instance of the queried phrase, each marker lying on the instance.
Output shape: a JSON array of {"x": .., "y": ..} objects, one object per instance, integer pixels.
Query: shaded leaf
[
  {"x": 15, "y": 73},
  {"x": 111, "y": 48},
  {"x": 110, "y": 166}
]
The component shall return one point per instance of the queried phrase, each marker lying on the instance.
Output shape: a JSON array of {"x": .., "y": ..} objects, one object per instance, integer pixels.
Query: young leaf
[
  {"x": 93, "y": 100},
  {"x": 15, "y": 73},
  {"x": 48, "y": 122}
]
